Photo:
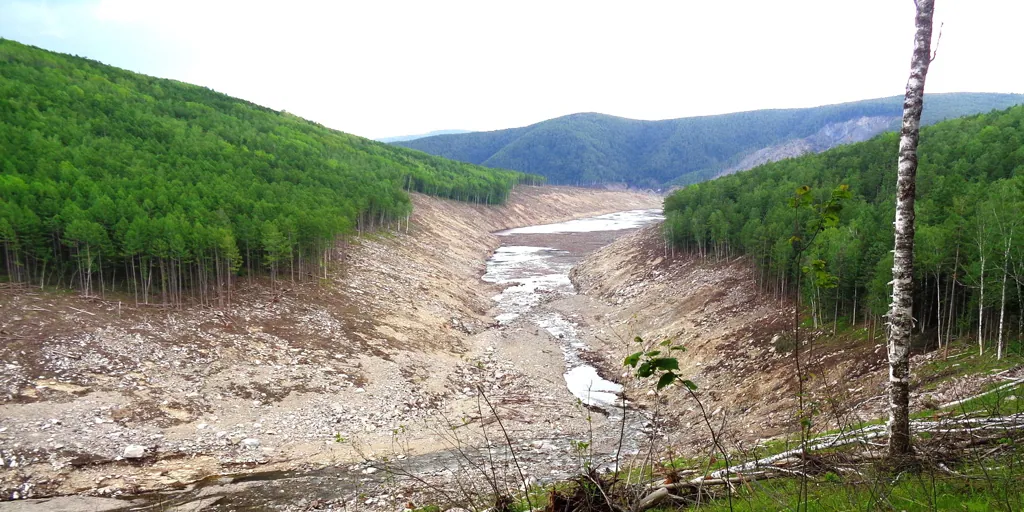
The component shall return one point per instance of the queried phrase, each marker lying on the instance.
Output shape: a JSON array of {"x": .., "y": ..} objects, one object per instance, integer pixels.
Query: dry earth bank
[{"x": 738, "y": 346}]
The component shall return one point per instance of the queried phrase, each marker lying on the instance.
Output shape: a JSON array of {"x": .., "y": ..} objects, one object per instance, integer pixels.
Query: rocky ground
[{"x": 104, "y": 397}]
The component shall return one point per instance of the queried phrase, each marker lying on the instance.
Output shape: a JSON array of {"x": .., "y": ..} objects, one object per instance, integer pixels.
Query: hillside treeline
[
  {"x": 113, "y": 179},
  {"x": 969, "y": 259}
]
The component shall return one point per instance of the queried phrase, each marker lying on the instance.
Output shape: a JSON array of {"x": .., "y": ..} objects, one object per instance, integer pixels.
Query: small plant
[{"x": 651, "y": 362}]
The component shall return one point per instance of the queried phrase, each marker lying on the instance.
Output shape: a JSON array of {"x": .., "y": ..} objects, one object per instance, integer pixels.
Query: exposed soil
[
  {"x": 398, "y": 336},
  {"x": 307, "y": 387},
  {"x": 738, "y": 347}
]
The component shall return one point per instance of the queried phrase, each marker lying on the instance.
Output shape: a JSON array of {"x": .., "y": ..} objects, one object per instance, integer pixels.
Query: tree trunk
[
  {"x": 952, "y": 301},
  {"x": 901, "y": 321},
  {"x": 1002, "y": 299},
  {"x": 981, "y": 309},
  {"x": 938, "y": 307}
]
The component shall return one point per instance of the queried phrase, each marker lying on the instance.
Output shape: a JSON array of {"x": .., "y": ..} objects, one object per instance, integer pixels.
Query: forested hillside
[
  {"x": 591, "y": 148},
  {"x": 110, "y": 178},
  {"x": 969, "y": 259}
]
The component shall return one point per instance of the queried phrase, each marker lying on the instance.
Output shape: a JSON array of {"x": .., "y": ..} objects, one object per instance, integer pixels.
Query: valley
[
  {"x": 209, "y": 304},
  {"x": 319, "y": 404},
  {"x": 308, "y": 376}
]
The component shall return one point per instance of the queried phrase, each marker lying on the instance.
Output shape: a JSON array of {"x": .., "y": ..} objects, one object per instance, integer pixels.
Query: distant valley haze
[{"x": 386, "y": 69}]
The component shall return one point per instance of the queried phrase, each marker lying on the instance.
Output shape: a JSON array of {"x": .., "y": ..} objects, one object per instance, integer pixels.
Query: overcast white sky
[{"x": 382, "y": 68}]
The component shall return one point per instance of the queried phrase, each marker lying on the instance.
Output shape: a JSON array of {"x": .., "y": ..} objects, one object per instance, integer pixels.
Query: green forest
[
  {"x": 112, "y": 179},
  {"x": 588, "y": 148},
  {"x": 969, "y": 257}
]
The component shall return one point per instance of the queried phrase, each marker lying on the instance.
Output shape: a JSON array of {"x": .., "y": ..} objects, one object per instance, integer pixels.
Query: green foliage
[
  {"x": 970, "y": 202},
  {"x": 983, "y": 489},
  {"x": 124, "y": 175},
  {"x": 647, "y": 363},
  {"x": 596, "y": 148}
]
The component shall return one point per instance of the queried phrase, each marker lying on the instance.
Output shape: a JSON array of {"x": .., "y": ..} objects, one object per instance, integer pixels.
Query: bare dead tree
[{"x": 901, "y": 321}]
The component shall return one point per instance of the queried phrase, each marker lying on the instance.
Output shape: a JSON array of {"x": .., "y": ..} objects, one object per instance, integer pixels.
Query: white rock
[
  {"x": 250, "y": 443},
  {"x": 134, "y": 451}
]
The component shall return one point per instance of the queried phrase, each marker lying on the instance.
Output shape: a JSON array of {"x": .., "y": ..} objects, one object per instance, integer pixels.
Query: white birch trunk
[
  {"x": 981, "y": 306},
  {"x": 1002, "y": 299},
  {"x": 952, "y": 296},
  {"x": 901, "y": 321},
  {"x": 938, "y": 307}
]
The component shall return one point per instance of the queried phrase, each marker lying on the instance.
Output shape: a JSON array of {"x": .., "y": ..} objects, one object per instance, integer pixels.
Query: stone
[
  {"x": 134, "y": 451},
  {"x": 250, "y": 443}
]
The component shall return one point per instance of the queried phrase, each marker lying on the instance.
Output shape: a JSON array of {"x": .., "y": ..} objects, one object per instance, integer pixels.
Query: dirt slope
[
  {"x": 267, "y": 381},
  {"x": 739, "y": 348}
]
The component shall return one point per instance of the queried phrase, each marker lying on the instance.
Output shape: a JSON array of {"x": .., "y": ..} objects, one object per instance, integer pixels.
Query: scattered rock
[{"x": 134, "y": 451}]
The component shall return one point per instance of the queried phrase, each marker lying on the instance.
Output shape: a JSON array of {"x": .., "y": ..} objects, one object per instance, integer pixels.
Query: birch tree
[
  {"x": 901, "y": 321},
  {"x": 1007, "y": 214}
]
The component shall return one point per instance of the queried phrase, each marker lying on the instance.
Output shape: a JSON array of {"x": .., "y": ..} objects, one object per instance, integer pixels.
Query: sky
[{"x": 385, "y": 68}]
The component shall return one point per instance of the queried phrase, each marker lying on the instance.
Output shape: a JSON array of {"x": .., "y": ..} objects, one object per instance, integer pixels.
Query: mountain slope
[
  {"x": 403, "y": 138},
  {"x": 596, "y": 148},
  {"x": 110, "y": 177}
]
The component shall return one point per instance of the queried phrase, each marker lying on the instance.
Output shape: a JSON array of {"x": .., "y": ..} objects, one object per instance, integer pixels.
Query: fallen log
[{"x": 989, "y": 392}]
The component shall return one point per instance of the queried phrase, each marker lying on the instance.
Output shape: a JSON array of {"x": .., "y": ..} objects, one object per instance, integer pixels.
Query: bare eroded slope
[{"x": 739, "y": 346}]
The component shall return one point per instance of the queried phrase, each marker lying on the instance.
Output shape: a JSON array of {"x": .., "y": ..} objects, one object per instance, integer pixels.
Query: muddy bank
[{"x": 397, "y": 335}]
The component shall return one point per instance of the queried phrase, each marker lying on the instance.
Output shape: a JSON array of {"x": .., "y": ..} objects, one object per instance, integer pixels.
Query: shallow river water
[{"x": 534, "y": 263}]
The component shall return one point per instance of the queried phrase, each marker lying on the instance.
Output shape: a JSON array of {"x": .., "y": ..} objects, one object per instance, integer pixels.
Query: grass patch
[{"x": 922, "y": 490}]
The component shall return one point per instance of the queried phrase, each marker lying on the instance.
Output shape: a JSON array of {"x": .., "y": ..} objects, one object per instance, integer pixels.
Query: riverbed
[
  {"x": 533, "y": 263},
  {"x": 533, "y": 363}
]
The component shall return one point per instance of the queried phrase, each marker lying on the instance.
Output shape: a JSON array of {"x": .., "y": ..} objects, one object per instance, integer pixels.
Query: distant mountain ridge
[
  {"x": 592, "y": 148},
  {"x": 403, "y": 138}
]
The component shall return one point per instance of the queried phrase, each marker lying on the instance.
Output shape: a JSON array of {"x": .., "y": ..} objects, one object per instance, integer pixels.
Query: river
[{"x": 534, "y": 263}]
